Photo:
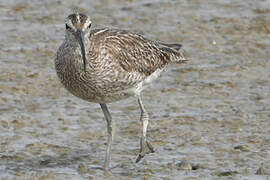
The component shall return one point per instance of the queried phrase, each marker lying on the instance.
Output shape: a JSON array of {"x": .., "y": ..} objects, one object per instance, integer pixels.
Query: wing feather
[{"x": 134, "y": 53}]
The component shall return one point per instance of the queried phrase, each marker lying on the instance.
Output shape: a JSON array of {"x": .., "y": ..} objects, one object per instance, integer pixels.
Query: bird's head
[{"x": 78, "y": 29}]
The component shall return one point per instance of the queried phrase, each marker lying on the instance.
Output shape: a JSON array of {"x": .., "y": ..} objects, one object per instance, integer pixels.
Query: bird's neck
[{"x": 75, "y": 53}]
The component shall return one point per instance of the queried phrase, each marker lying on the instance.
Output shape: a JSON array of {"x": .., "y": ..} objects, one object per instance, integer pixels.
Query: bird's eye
[
  {"x": 89, "y": 26},
  {"x": 67, "y": 27}
]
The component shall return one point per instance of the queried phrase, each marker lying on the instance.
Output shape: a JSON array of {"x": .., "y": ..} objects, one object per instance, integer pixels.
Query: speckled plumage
[
  {"x": 117, "y": 60},
  {"x": 118, "y": 63}
]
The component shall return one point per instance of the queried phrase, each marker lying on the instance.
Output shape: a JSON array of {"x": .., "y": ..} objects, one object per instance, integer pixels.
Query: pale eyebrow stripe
[{"x": 78, "y": 17}]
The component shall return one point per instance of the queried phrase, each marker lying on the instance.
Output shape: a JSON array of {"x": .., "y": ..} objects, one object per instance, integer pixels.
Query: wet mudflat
[{"x": 210, "y": 118}]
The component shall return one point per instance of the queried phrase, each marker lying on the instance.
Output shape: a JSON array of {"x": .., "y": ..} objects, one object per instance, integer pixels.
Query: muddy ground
[{"x": 210, "y": 118}]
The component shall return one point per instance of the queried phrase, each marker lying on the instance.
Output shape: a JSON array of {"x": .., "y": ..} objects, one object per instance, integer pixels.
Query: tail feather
[{"x": 175, "y": 46}]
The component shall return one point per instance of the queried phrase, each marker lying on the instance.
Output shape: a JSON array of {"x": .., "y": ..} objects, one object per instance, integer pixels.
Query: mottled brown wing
[{"x": 135, "y": 53}]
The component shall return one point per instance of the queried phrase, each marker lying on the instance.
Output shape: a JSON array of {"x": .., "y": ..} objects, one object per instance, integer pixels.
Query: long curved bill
[{"x": 80, "y": 39}]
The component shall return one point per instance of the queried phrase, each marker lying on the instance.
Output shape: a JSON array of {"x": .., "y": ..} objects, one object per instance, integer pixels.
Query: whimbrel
[{"x": 107, "y": 65}]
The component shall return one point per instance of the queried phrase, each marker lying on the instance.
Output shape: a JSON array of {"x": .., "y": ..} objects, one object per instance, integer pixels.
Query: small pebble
[
  {"x": 261, "y": 171},
  {"x": 83, "y": 168},
  {"x": 185, "y": 165},
  {"x": 227, "y": 173},
  {"x": 243, "y": 148}
]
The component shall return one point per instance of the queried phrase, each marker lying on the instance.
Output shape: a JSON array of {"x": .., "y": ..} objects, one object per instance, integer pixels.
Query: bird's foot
[
  {"x": 146, "y": 148},
  {"x": 107, "y": 172}
]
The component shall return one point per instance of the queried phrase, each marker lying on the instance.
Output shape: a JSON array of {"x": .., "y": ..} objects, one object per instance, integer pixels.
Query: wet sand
[{"x": 210, "y": 118}]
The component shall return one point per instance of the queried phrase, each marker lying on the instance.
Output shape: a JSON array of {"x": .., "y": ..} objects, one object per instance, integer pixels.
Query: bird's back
[{"x": 133, "y": 52}]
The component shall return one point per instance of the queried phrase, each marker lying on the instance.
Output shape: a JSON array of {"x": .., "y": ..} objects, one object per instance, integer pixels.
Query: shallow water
[{"x": 212, "y": 112}]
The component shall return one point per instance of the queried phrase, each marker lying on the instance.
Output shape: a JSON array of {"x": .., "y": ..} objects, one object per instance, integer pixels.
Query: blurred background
[{"x": 209, "y": 118}]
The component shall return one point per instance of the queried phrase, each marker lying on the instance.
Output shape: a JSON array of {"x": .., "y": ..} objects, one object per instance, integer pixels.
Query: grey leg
[
  {"x": 143, "y": 142},
  {"x": 110, "y": 129}
]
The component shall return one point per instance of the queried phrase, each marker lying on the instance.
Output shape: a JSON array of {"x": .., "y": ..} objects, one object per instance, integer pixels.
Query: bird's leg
[
  {"x": 110, "y": 129},
  {"x": 143, "y": 142}
]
